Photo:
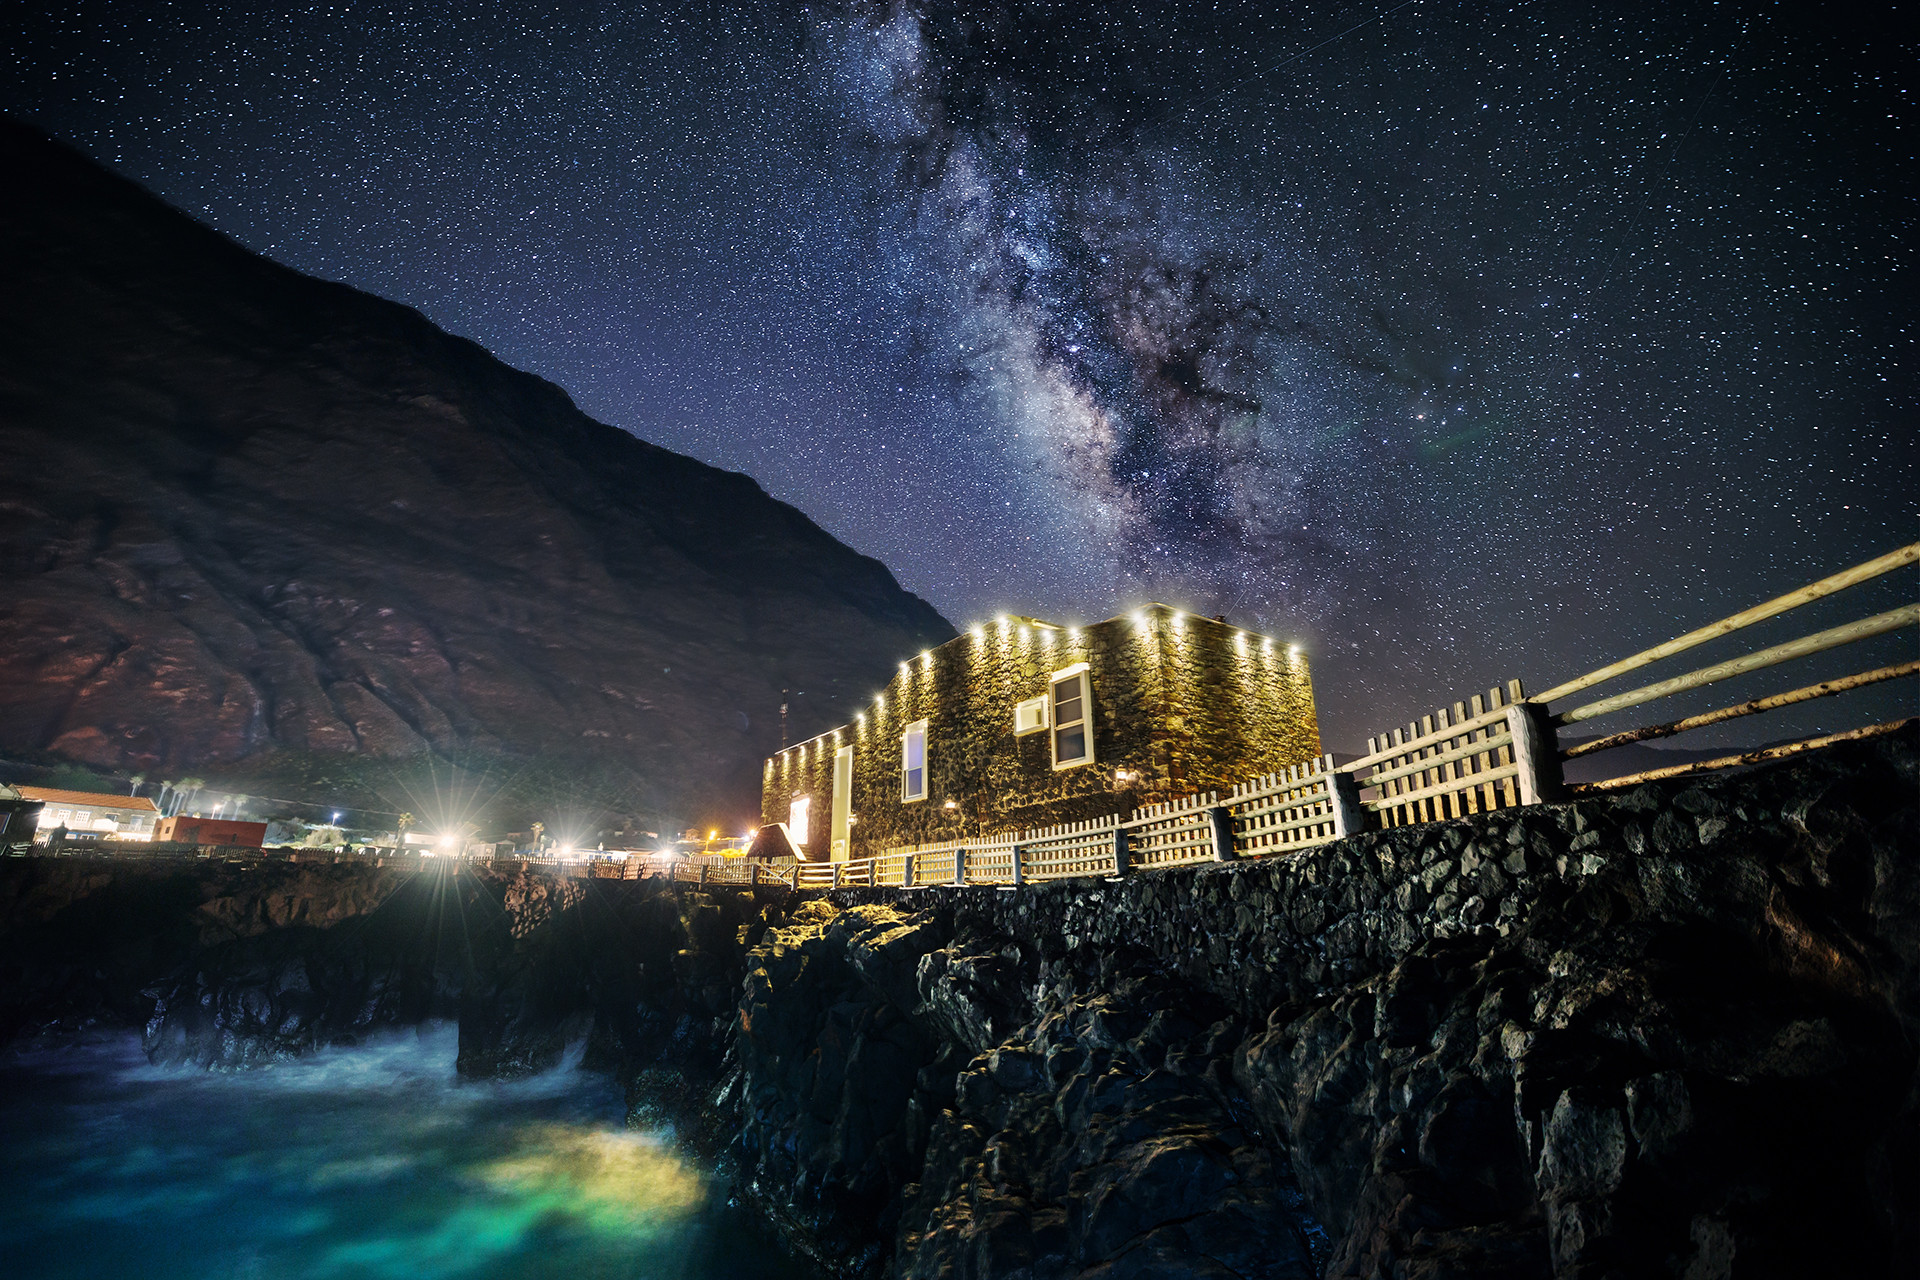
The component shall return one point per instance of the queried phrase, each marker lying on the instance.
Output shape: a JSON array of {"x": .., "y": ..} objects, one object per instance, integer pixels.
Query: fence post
[
  {"x": 703, "y": 873},
  {"x": 1536, "y": 749},
  {"x": 1349, "y": 819},
  {"x": 906, "y": 870},
  {"x": 1119, "y": 851},
  {"x": 1222, "y": 818},
  {"x": 959, "y": 866},
  {"x": 1019, "y": 870},
  {"x": 836, "y": 873}
]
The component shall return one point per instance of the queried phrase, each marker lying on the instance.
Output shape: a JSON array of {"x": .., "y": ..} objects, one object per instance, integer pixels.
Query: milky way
[{"x": 1456, "y": 342}]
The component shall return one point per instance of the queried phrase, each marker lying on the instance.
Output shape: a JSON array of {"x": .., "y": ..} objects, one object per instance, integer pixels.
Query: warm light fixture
[{"x": 950, "y": 804}]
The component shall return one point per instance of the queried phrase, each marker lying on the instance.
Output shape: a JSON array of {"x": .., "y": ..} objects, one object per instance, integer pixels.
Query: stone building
[{"x": 1021, "y": 724}]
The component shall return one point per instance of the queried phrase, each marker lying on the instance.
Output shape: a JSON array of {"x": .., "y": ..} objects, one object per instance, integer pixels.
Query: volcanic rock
[{"x": 1679, "y": 1035}]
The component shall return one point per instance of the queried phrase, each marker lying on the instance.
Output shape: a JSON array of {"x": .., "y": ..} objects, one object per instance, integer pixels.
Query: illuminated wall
[{"x": 1180, "y": 704}]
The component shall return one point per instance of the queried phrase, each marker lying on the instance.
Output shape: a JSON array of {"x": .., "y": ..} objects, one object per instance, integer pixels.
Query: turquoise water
[{"x": 354, "y": 1164}]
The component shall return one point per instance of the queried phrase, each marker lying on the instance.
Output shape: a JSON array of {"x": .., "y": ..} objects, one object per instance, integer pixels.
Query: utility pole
[{"x": 783, "y": 719}]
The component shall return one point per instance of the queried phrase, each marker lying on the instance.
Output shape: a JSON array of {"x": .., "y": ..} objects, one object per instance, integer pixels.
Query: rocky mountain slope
[{"x": 249, "y": 515}]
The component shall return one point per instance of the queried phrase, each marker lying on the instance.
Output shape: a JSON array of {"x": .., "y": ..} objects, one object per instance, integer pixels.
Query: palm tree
[
  {"x": 539, "y": 830},
  {"x": 188, "y": 789},
  {"x": 134, "y": 783},
  {"x": 165, "y": 788},
  {"x": 400, "y": 826}
]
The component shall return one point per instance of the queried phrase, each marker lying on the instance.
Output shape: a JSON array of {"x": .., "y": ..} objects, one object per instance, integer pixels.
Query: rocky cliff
[
  {"x": 1672, "y": 1032},
  {"x": 251, "y": 515},
  {"x": 1668, "y": 1033}
]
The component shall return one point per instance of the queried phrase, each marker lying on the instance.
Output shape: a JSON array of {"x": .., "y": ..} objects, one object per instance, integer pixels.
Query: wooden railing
[{"x": 1903, "y": 618}]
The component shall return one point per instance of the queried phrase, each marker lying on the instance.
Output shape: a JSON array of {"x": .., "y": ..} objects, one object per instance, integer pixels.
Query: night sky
[{"x": 1452, "y": 341}]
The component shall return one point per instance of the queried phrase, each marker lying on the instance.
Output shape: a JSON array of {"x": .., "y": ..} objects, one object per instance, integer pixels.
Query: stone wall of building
[
  {"x": 805, "y": 769},
  {"x": 1180, "y": 704}
]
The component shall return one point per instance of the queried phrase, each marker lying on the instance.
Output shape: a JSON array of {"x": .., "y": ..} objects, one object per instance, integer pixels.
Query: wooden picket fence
[{"x": 1452, "y": 763}]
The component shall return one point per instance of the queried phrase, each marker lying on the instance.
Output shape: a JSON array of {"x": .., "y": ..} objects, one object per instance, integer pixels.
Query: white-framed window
[
  {"x": 1070, "y": 707},
  {"x": 797, "y": 814},
  {"x": 1030, "y": 716},
  {"x": 913, "y": 762}
]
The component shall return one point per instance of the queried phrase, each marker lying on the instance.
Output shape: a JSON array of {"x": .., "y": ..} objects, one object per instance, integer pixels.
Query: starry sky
[{"x": 1452, "y": 341}]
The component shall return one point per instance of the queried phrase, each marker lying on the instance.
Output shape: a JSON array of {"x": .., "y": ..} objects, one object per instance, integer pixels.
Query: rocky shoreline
[{"x": 1668, "y": 1032}]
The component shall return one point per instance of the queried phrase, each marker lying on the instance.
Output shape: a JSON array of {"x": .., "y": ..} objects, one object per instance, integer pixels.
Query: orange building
[{"x": 216, "y": 831}]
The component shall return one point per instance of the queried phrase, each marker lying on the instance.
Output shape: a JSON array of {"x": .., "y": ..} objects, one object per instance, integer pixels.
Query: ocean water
[{"x": 353, "y": 1164}]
